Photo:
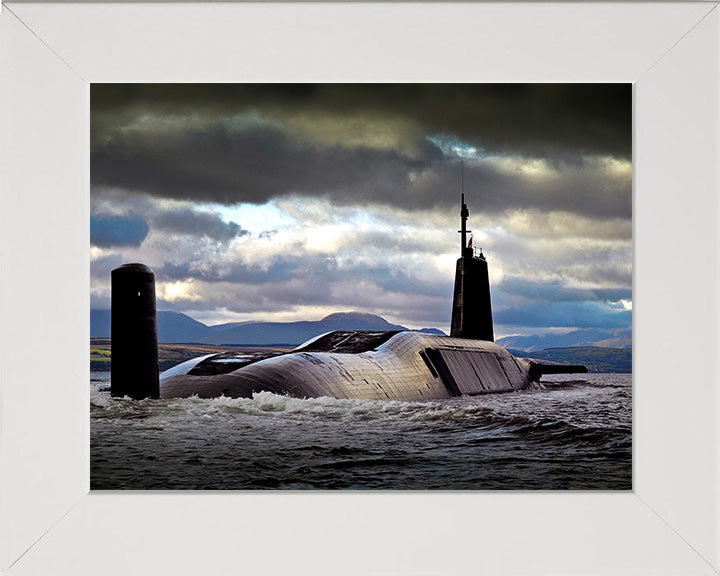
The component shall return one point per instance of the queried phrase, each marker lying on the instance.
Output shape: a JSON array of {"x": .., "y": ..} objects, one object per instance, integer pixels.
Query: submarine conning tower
[
  {"x": 133, "y": 327},
  {"x": 472, "y": 310}
]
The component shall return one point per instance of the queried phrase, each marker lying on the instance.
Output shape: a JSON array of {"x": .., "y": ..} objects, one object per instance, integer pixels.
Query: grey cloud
[
  {"x": 603, "y": 271},
  {"x": 312, "y": 268},
  {"x": 196, "y": 223},
  {"x": 248, "y": 298},
  {"x": 120, "y": 208},
  {"x": 608, "y": 264},
  {"x": 114, "y": 201},
  {"x": 372, "y": 297},
  {"x": 392, "y": 280},
  {"x": 101, "y": 267},
  {"x": 311, "y": 281},
  {"x": 489, "y": 191},
  {"x": 238, "y": 272},
  {"x": 539, "y": 291}
]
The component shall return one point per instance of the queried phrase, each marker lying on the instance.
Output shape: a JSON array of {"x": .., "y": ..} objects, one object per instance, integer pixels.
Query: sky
[{"x": 286, "y": 202}]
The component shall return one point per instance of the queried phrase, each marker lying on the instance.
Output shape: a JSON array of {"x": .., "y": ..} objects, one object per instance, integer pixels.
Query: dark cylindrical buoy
[{"x": 134, "y": 356}]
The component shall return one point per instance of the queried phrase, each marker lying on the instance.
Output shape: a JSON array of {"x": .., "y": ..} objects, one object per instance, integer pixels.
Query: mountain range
[
  {"x": 178, "y": 328},
  {"x": 584, "y": 337}
]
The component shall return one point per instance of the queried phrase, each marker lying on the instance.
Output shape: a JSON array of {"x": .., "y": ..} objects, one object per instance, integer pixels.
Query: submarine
[{"x": 383, "y": 365}]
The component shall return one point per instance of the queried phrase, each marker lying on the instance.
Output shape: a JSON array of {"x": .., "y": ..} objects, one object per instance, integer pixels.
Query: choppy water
[{"x": 575, "y": 434}]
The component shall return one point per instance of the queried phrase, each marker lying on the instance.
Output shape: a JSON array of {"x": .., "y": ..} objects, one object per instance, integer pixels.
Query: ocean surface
[{"x": 576, "y": 434}]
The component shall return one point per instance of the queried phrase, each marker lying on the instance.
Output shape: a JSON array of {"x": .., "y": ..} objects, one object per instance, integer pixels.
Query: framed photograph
[
  {"x": 50, "y": 521},
  {"x": 361, "y": 286}
]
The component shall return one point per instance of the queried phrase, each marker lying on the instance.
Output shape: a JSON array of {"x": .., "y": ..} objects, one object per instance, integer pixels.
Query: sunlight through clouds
[{"x": 174, "y": 291}]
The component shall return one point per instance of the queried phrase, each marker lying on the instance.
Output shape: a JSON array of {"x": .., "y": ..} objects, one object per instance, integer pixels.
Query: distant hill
[
  {"x": 596, "y": 358},
  {"x": 173, "y": 327},
  {"x": 293, "y": 333},
  {"x": 173, "y": 323},
  {"x": 177, "y": 328},
  {"x": 584, "y": 337}
]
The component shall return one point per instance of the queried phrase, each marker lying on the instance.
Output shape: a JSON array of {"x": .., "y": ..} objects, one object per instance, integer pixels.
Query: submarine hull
[{"x": 407, "y": 366}]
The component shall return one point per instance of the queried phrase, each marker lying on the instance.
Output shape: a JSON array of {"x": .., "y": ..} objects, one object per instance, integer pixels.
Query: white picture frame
[{"x": 51, "y": 524}]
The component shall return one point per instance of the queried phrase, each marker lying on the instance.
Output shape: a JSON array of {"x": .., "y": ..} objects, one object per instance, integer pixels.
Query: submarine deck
[{"x": 372, "y": 365}]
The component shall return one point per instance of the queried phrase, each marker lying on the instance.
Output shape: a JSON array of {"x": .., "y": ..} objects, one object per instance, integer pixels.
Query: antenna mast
[{"x": 464, "y": 212}]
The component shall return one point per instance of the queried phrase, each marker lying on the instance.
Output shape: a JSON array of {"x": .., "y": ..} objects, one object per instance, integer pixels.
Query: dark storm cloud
[
  {"x": 489, "y": 191},
  {"x": 117, "y": 230},
  {"x": 255, "y": 166},
  {"x": 180, "y": 141},
  {"x": 225, "y": 166},
  {"x": 195, "y": 223},
  {"x": 531, "y": 118}
]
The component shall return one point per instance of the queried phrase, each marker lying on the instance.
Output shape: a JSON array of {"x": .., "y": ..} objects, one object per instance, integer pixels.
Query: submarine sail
[{"x": 472, "y": 309}]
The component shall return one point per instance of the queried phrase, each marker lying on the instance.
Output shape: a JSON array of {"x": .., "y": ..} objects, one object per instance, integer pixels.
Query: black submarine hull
[{"x": 406, "y": 366}]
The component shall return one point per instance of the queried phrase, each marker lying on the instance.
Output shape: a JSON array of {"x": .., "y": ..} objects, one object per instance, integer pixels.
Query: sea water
[{"x": 574, "y": 434}]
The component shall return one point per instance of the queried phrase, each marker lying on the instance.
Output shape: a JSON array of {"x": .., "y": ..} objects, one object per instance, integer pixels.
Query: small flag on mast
[{"x": 470, "y": 242}]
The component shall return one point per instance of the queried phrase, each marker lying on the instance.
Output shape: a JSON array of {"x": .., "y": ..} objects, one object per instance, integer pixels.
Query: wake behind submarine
[{"x": 407, "y": 366}]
